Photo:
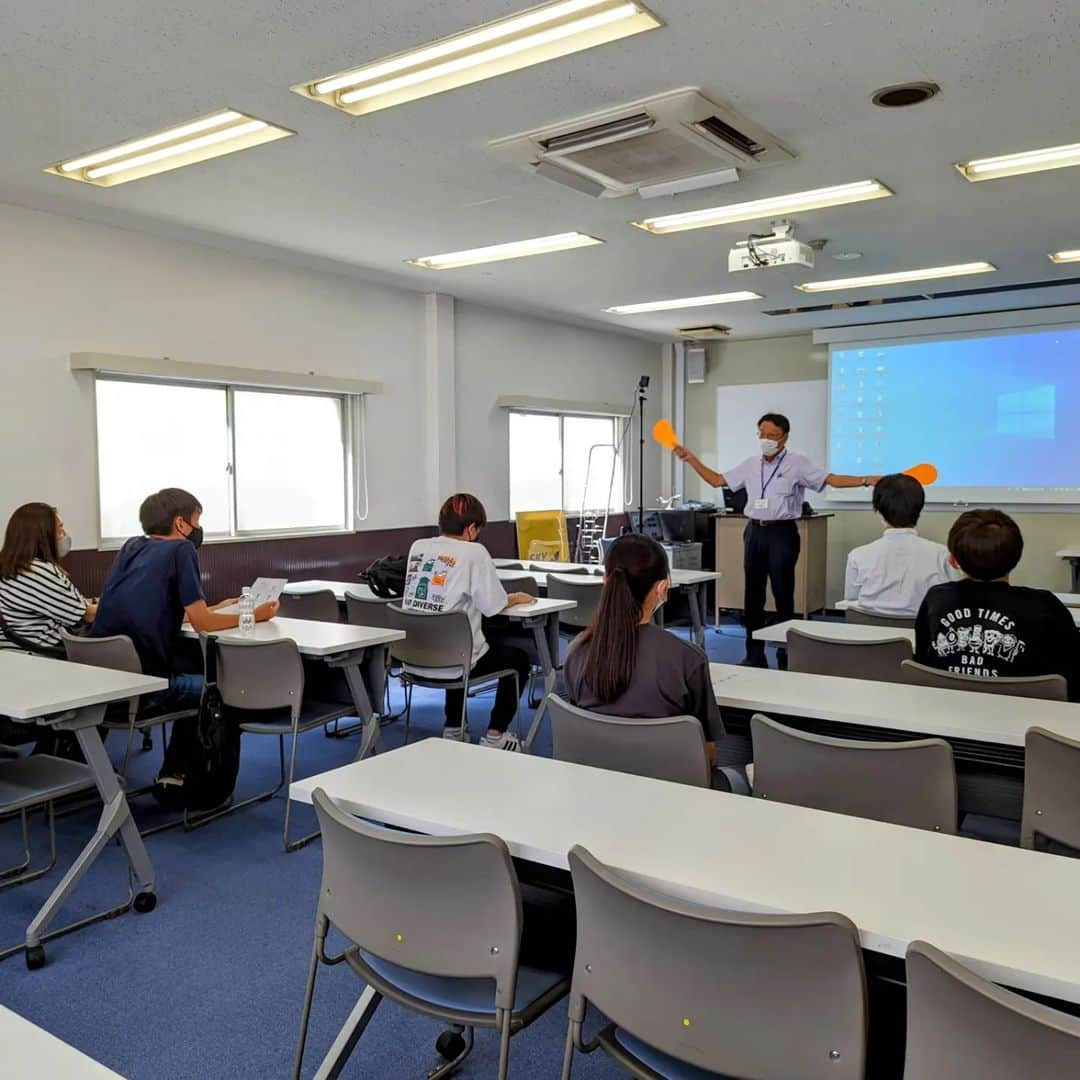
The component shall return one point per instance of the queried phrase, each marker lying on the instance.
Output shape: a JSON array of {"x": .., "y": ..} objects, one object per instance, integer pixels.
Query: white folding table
[
  {"x": 923, "y": 710},
  {"x": 1009, "y": 913},
  {"x": 338, "y": 645},
  {"x": 830, "y": 630},
  {"x": 1071, "y": 555},
  {"x": 32, "y": 1051},
  {"x": 73, "y": 697},
  {"x": 1069, "y": 599},
  {"x": 691, "y": 582}
]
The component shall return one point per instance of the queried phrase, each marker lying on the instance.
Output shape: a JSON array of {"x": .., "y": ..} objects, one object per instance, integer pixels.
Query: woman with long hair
[
  {"x": 625, "y": 665},
  {"x": 37, "y": 598}
]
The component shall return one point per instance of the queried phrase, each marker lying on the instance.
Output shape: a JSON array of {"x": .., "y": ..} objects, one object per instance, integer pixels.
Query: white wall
[
  {"x": 502, "y": 353},
  {"x": 70, "y": 286},
  {"x": 795, "y": 358}
]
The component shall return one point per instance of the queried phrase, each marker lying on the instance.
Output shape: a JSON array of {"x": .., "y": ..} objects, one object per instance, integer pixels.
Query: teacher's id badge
[{"x": 761, "y": 504}]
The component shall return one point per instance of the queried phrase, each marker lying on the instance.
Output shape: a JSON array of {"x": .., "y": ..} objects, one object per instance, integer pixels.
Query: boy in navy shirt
[{"x": 155, "y": 583}]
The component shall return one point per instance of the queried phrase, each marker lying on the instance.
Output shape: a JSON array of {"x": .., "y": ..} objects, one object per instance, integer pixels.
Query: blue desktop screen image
[{"x": 998, "y": 411}]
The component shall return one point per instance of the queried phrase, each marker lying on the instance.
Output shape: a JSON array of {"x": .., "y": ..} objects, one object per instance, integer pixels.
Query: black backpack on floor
[
  {"x": 203, "y": 756},
  {"x": 386, "y": 576}
]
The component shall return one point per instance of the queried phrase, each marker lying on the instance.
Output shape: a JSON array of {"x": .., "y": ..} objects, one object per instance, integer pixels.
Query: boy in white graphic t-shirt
[{"x": 452, "y": 572}]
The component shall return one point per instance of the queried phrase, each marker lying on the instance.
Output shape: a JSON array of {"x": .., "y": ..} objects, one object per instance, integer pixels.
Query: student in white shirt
[
  {"x": 891, "y": 576},
  {"x": 452, "y": 572}
]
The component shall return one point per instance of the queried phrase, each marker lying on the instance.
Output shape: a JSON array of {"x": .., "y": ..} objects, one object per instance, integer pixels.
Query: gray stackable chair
[
  {"x": 432, "y": 923},
  {"x": 961, "y": 1025},
  {"x": 511, "y": 566},
  {"x": 906, "y": 783},
  {"x": 670, "y": 749},
  {"x": 1045, "y": 687},
  {"x": 441, "y": 640},
  {"x": 879, "y": 660},
  {"x": 1051, "y": 789},
  {"x": 868, "y": 618},
  {"x": 586, "y": 594},
  {"x": 319, "y": 606},
  {"x": 526, "y": 584},
  {"x": 118, "y": 654},
  {"x": 361, "y": 610},
  {"x": 691, "y": 987},
  {"x": 268, "y": 677},
  {"x": 545, "y": 568}
]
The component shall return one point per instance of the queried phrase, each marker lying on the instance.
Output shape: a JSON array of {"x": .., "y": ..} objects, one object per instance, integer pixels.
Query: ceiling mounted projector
[{"x": 776, "y": 249}]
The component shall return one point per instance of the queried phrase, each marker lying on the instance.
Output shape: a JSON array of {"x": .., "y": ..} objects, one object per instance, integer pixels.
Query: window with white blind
[
  {"x": 260, "y": 461},
  {"x": 565, "y": 461}
]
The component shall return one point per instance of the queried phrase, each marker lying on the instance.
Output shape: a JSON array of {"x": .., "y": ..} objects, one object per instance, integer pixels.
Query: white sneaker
[
  {"x": 506, "y": 741},
  {"x": 453, "y": 733}
]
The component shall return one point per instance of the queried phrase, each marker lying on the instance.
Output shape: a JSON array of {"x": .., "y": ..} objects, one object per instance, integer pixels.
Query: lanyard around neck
[{"x": 765, "y": 483}]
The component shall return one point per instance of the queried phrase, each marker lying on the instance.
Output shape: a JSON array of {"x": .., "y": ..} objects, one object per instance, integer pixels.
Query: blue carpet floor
[{"x": 210, "y": 984}]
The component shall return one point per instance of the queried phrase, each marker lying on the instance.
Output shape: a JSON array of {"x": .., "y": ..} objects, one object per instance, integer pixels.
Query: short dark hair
[
  {"x": 986, "y": 543},
  {"x": 459, "y": 512},
  {"x": 899, "y": 499},
  {"x": 160, "y": 510},
  {"x": 779, "y": 419}
]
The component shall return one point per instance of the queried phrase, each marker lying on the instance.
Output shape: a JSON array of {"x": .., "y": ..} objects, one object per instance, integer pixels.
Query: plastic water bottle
[{"x": 247, "y": 610}]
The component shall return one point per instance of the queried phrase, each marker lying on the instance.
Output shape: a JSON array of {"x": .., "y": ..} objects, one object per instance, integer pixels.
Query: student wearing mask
[
  {"x": 625, "y": 665},
  {"x": 892, "y": 575},
  {"x": 987, "y": 627},
  {"x": 37, "y": 598},
  {"x": 776, "y": 481},
  {"x": 154, "y": 584},
  {"x": 452, "y": 572}
]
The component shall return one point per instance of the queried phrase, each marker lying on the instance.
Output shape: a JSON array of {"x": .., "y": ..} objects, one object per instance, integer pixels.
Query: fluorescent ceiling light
[
  {"x": 211, "y": 136},
  {"x": 1065, "y": 256},
  {"x": 897, "y": 278},
  {"x": 540, "y": 245},
  {"x": 684, "y": 302},
  {"x": 518, "y": 41},
  {"x": 1028, "y": 161},
  {"x": 817, "y": 199}
]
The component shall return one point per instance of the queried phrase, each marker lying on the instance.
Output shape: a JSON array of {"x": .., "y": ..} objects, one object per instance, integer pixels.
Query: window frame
[
  {"x": 616, "y": 419},
  {"x": 349, "y": 431}
]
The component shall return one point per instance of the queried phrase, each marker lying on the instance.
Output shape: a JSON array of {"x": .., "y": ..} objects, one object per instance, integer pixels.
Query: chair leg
[
  {"x": 293, "y": 845},
  {"x": 465, "y": 709},
  {"x": 504, "y": 1042},
  {"x": 127, "y": 754},
  {"x": 568, "y": 1053},
  {"x": 305, "y": 1014},
  {"x": 407, "y": 687}
]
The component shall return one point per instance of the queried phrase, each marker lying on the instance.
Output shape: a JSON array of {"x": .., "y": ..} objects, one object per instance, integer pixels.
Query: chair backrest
[
  {"x": 116, "y": 653},
  {"x": 366, "y": 611},
  {"x": 511, "y": 566},
  {"x": 526, "y": 583},
  {"x": 441, "y": 905},
  {"x": 666, "y": 749},
  {"x": 586, "y": 595},
  {"x": 868, "y": 618},
  {"x": 432, "y": 639},
  {"x": 878, "y": 660},
  {"x": 319, "y": 606},
  {"x": 1046, "y": 687},
  {"x": 906, "y": 783},
  {"x": 729, "y": 992},
  {"x": 959, "y": 1024},
  {"x": 1051, "y": 789},
  {"x": 259, "y": 674}
]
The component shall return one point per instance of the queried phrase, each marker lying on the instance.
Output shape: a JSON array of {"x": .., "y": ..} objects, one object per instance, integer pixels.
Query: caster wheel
[
  {"x": 35, "y": 957},
  {"x": 147, "y": 743},
  {"x": 449, "y": 1045},
  {"x": 144, "y": 902}
]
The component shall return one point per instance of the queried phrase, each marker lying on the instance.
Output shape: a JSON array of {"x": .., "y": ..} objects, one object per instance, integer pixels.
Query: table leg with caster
[{"x": 115, "y": 818}]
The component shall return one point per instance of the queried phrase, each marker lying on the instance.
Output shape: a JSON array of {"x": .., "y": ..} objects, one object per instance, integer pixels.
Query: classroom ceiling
[{"x": 362, "y": 194}]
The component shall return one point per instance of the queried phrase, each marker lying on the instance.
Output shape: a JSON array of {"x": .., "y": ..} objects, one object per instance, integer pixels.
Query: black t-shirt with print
[{"x": 992, "y": 629}]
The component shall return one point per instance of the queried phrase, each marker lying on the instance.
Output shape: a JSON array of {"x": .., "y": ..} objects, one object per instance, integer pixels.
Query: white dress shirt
[
  {"x": 892, "y": 575},
  {"x": 781, "y": 484}
]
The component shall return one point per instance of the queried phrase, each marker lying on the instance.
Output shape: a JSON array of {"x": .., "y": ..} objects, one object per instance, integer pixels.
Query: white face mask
[{"x": 768, "y": 447}]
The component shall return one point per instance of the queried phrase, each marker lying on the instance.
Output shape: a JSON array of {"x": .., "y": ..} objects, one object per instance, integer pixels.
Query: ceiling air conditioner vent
[{"x": 677, "y": 141}]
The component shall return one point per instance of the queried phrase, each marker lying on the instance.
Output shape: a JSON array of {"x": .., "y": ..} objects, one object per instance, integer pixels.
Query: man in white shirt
[
  {"x": 892, "y": 575},
  {"x": 452, "y": 572}
]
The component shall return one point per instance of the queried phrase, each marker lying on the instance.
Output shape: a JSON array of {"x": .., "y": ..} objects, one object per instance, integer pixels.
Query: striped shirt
[{"x": 38, "y": 603}]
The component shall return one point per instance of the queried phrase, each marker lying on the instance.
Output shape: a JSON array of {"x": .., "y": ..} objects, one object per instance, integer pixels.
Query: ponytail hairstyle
[{"x": 634, "y": 564}]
